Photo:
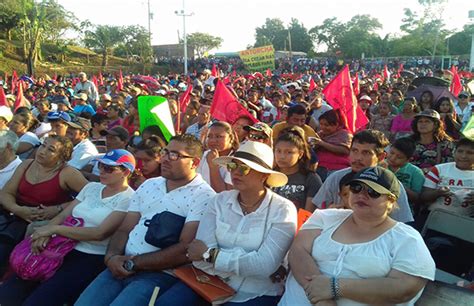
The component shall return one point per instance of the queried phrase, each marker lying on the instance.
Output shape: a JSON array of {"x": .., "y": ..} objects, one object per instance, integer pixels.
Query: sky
[{"x": 235, "y": 20}]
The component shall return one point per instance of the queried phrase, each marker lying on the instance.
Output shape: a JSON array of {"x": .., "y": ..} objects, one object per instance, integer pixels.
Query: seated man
[
  {"x": 367, "y": 150},
  {"x": 296, "y": 116},
  {"x": 84, "y": 150},
  {"x": 135, "y": 267},
  {"x": 9, "y": 161}
]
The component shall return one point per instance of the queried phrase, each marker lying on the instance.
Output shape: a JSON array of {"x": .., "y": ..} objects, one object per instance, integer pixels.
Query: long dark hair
[
  {"x": 438, "y": 134},
  {"x": 295, "y": 136}
]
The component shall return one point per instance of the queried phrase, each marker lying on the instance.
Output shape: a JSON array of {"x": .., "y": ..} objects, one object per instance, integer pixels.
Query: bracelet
[
  {"x": 335, "y": 289},
  {"x": 110, "y": 257}
]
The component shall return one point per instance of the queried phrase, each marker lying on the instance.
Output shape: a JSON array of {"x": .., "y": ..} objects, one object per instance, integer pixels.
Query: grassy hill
[{"x": 76, "y": 59}]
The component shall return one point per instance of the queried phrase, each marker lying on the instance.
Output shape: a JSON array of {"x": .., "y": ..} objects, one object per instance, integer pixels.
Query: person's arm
[
  {"x": 217, "y": 182},
  {"x": 373, "y": 291},
  {"x": 170, "y": 257},
  {"x": 23, "y": 147},
  {"x": 73, "y": 179},
  {"x": 412, "y": 196},
  {"x": 336, "y": 149},
  {"x": 429, "y": 195},
  {"x": 301, "y": 262}
]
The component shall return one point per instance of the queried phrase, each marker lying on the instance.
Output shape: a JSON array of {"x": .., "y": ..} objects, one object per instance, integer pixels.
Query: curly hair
[
  {"x": 66, "y": 148},
  {"x": 439, "y": 133}
]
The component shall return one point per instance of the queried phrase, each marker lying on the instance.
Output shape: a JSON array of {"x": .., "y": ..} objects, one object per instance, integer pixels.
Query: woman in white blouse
[
  {"x": 359, "y": 256},
  {"x": 103, "y": 207},
  {"x": 245, "y": 233}
]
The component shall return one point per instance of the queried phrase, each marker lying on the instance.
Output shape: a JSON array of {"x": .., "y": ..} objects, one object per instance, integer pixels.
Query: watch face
[{"x": 128, "y": 265}]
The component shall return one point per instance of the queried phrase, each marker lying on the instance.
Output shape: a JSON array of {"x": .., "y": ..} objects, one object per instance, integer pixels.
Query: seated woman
[
  {"x": 220, "y": 141},
  {"x": 102, "y": 206},
  {"x": 333, "y": 145},
  {"x": 352, "y": 257},
  {"x": 433, "y": 145},
  {"x": 41, "y": 188},
  {"x": 148, "y": 156},
  {"x": 451, "y": 120},
  {"x": 292, "y": 158},
  {"x": 23, "y": 125},
  {"x": 245, "y": 233},
  {"x": 401, "y": 124}
]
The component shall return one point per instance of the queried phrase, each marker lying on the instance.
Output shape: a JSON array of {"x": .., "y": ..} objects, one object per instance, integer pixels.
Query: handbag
[
  {"x": 164, "y": 229},
  {"x": 209, "y": 287},
  {"x": 42, "y": 266},
  {"x": 12, "y": 228}
]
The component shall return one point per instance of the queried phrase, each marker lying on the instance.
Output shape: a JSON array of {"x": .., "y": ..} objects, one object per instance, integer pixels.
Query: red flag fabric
[
  {"x": 226, "y": 80},
  {"x": 225, "y": 106},
  {"x": 214, "y": 71},
  {"x": 456, "y": 86},
  {"x": 94, "y": 80},
  {"x": 340, "y": 95},
  {"x": 3, "y": 98},
  {"x": 312, "y": 85},
  {"x": 14, "y": 81},
  {"x": 101, "y": 79},
  {"x": 386, "y": 73},
  {"x": 356, "y": 85},
  {"x": 234, "y": 73},
  {"x": 20, "y": 99},
  {"x": 399, "y": 71},
  {"x": 258, "y": 75},
  {"x": 120, "y": 81},
  {"x": 269, "y": 73},
  {"x": 376, "y": 86},
  {"x": 185, "y": 98},
  {"x": 323, "y": 72}
]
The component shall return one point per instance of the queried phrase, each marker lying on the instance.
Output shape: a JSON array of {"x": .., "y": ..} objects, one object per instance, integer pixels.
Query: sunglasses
[
  {"x": 358, "y": 187},
  {"x": 243, "y": 169},
  {"x": 173, "y": 155},
  {"x": 107, "y": 168},
  {"x": 257, "y": 137}
]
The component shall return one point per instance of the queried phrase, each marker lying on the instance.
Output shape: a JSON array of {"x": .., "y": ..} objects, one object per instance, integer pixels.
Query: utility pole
[
  {"x": 289, "y": 45},
  {"x": 149, "y": 22},
  {"x": 471, "y": 60},
  {"x": 185, "y": 39}
]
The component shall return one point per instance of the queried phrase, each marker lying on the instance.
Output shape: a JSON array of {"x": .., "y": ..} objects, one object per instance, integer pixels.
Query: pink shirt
[{"x": 400, "y": 124}]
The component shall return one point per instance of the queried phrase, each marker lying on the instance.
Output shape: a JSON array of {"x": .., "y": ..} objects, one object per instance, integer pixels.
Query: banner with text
[{"x": 258, "y": 59}]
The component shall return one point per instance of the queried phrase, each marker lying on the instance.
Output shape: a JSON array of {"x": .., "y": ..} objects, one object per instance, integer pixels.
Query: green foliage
[
  {"x": 274, "y": 32},
  {"x": 203, "y": 42},
  {"x": 104, "y": 39},
  {"x": 9, "y": 17},
  {"x": 460, "y": 42}
]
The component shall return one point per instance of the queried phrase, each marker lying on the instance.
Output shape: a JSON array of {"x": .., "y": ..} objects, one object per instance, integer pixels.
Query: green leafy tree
[
  {"x": 300, "y": 38},
  {"x": 104, "y": 39},
  {"x": 459, "y": 43},
  {"x": 10, "y": 17},
  {"x": 328, "y": 33},
  {"x": 203, "y": 42},
  {"x": 273, "y": 32}
]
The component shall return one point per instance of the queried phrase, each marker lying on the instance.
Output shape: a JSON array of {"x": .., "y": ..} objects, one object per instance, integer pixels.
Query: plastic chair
[{"x": 450, "y": 224}]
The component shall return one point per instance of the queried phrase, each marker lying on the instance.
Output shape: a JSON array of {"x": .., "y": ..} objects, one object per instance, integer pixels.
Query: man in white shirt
[
  {"x": 9, "y": 161},
  {"x": 84, "y": 150},
  {"x": 87, "y": 87},
  {"x": 463, "y": 107},
  {"x": 134, "y": 266},
  {"x": 203, "y": 122}
]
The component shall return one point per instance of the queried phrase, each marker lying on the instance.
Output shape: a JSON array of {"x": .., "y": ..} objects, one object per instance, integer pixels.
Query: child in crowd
[{"x": 383, "y": 120}]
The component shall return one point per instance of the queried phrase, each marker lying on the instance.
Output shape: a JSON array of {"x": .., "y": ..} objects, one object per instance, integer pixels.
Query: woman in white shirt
[
  {"x": 245, "y": 233},
  {"x": 359, "y": 256},
  {"x": 221, "y": 140},
  {"x": 23, "y": 125},
  {"x": 103, "y": 207}
]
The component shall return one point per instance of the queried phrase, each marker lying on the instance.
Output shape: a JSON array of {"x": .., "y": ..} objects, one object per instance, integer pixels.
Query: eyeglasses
[
  {"x": 463, "y": 97},
  {"x": 173, "y": 155},
  {"x": 358, "y": 187},
  {"x": 257, "y": 137},
  {"x": 243, "y": 169},
  {"x": 107, "y": 168}
]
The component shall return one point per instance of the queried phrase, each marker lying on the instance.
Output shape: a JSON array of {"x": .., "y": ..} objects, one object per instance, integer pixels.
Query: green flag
[
  {"x": 468, "y": 130},
  {"x": 155, "y": 110}
]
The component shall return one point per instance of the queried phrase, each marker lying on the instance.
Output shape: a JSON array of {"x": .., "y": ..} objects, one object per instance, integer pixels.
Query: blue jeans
[
  {"x": 181, "y": 294},
  {"x": 134, "y": 290}
]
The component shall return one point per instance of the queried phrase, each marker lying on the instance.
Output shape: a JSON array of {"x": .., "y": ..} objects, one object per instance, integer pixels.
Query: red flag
[
  {"x": 376, "y": 86},
  {"x": 340, "y": 95},
  {"x": 258, "y": 75},
  {"x": 101, "y": 79},
  {"x": 226, "y": 80},
  {"x": 399, "y": 71},
  {"x": 14, "y": 81},
  {"x": 386, "y": 73},
  {"x": 312, "y": 85},
  {"x": 94, "y": 80},
  {"x": 269, "y": 73},
  {"x": 120, "y": 81},
  {"x": 323, "y": 72},
  {"x": 3, "y": 99},
  {"x": 456, "y": 86},
  {"x": 185, "y": 98},
  {"x": 214, "y": 72},
  {"x": 225, "y": 106},
  {"x": 234, "y": 73},
  {"x": 20, "y": 99},
  {"x": 356, "y": 85}
]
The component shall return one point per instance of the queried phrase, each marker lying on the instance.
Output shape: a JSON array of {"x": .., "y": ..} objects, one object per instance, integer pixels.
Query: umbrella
[
  {"x": 438, "y": 92},
  {"x": 408, "y": 74},
  {"x": 430, "y": 81},
  {"x": 147, "y": 80}
]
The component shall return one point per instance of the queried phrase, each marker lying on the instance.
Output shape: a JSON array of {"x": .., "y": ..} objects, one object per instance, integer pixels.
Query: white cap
[{"x": 6, "y": 113}]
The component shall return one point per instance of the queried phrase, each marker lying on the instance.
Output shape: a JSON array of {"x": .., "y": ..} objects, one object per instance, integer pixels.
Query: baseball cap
[
  {"x": 259, "y": 127},
  {"x": 52, "y": 116},
  {"x": 464, "y": 94},
  {"x": 6, "y": 113},
  {"x": 118, "y": 131},
  {"x": 81, "y": 96},
  {"x": 430, "y": 113},
  {"x": 119, "y": 157},
  {"x": 62, "y": 100},
  {"x": 365, "y": 98},
  {"x": 80, "y": 123},
  {"x": 379, "y": 179}
]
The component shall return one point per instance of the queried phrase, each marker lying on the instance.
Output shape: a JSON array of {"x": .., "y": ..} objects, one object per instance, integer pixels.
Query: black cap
[{"x": 379, "y": 179}]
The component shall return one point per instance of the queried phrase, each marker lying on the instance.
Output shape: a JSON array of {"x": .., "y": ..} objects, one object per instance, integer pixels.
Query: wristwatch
[
  {"x": 207, "y": 255},
  {"x": 129, "y": 265}
]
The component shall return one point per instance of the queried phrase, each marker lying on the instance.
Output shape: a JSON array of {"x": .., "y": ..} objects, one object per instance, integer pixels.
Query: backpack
[{"x": 42, "y": 266}]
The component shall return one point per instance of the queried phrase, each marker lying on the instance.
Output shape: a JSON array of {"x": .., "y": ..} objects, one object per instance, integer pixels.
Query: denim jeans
[
  {"x": 181, "y": 294},
  {"x": 135, "y": 290}
]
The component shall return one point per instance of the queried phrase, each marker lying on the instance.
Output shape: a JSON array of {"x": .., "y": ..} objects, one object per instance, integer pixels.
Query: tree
[
  {"x": 328, "y": 33},
  {"x": 104, "y": 39},
  {"x": 459, "y": 43},
  {"x": 203, "y": 42},
  {"x": 10, "y": 17},
  {"x": 300, "y": 39},
  {"x": 273, "y": 32}
]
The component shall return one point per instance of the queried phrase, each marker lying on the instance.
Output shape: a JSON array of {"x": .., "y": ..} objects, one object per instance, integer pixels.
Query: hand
[
  {"x": 115, "y": 265},
  {"x": 444, "y": 191},
  {"x": 279, "y": 275},
  {"x": 46, "y": 212},
  {"x": 318, "y": 288},
  {"x": 213, "y": 153},
  {"x": 44, "y": 231},
  {"x": 195, "y": 250},
  {"x": 26, "y": 213},
  {"x": 39, "y": 244}
]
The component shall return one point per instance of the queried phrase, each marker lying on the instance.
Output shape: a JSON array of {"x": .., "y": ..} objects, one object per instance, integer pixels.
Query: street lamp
[
  {"x": 471, "y": 60},
  {"x": 185, "y": 40}
]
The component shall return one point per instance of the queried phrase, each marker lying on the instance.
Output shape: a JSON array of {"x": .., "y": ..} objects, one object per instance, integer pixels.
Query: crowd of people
[{"x": 224, "y": 197}]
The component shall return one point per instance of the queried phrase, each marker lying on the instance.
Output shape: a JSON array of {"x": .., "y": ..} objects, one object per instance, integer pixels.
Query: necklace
[{"x": 247, "y": 208}]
